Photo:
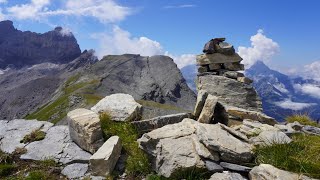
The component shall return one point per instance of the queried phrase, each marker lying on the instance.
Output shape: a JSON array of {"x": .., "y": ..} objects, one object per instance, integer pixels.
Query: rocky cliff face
[
  {"x": 155, "y": 78},
  {"x": 19, "y": 48}
]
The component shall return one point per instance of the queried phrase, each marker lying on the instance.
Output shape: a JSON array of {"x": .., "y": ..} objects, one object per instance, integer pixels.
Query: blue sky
[{"x": 285, "y": 34}]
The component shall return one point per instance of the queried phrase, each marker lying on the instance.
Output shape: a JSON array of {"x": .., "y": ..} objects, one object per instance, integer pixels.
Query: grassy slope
[{"x": 57, "y": 110}]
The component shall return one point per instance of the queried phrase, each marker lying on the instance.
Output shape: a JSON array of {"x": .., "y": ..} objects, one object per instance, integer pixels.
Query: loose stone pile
[{"x": 221, "y": 59}]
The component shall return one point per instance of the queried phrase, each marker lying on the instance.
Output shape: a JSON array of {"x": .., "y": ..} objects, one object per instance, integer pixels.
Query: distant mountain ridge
[{"x": 18, "y": 48}]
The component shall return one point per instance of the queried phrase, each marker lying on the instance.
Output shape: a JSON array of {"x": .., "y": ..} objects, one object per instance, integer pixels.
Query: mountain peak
[
  {"x": 260, "y": 65},
  {"x": 6, "y": 27}
]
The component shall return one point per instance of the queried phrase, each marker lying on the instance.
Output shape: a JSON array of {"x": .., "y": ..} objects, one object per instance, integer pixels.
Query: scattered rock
[
  {"x": 230, "y": 92},
  {"x": 227, "y": 176},
  {"x": 201, "y": 99},
  {"x": 85, "y": 129},
  {"x": 104, "y": 160},
  {"x": 234, "y": 66},
  {"x": 213, "y": 67},
  {"x": 158, "y": 122},
  {"x": 58, "y": 146},
  {"x": 267, "y": 171},
  {"x": 12, "y": 132},
  {"x": 202, "y": 69},
  {"x": 270, "y": 138},
  {"x": 75, "y": 171},
  {"x": 248, "y": 114},
  {"x": 235, "y": 167},
  {"x": 233, "y": 74},
  {"x": 207, "y": 113},
  {"x": 295, "y": 125},
  {"x": 311, "y": 130},
  {"x": 245, "y": 80},
  {"x": 206, "y": 59},
  {"x": 213, "y": 166},
  {"x": 235, "y": 133},
  {"x": 121, "y": 107}
]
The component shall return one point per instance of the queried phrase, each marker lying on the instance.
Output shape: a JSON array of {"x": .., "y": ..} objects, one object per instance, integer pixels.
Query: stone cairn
[{"x": 220, "y": 59}]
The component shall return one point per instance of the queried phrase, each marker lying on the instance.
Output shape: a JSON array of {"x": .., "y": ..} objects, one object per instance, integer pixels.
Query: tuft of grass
[
  {"x": 137, "y": 163},
  {"x": 35, "y": 135},
  {"x": 187, "y": 174},
  {"x": 302, "y": 119},
  {"x": 6, "y": 169},
  {"x": 301, "y": 156},
  {"x": 37, "y": 175}
]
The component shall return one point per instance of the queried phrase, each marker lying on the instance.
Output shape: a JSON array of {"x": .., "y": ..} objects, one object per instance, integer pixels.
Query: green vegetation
[
  {"x": 6, "y": 169},
  {"x": 300, "y": 156},
  {"x": 57, "y": 110},
  {"x": 302, "y": 119},
  {"x": 189, "y": 174},
  {"x": 13, "y": 168},
  {"x": 36, "y": 135},
  {"x": 137, "y": 163}
]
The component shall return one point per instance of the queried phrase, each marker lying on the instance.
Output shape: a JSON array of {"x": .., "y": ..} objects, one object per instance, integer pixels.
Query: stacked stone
[{"x": 220, "y": 59}]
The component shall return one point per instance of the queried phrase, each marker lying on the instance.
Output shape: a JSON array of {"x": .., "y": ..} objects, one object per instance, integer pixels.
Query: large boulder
[
  {"x": 206, "y": 59},
  {"x": 104, "y": 160},
  {"x": 85, "y": 129},
  {"x": 58, "y": 146},
  {"x": 12, "y": 132},
  {"x": 230, "y": 92},
  {"x": 121, "y": 107},
  {"x": 269, "y": 172},
  {"x": 184, "y": 145}
]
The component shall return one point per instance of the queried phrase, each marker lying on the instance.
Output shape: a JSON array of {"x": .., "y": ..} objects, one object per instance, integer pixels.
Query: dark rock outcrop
[{"x": 21, "y": 49}]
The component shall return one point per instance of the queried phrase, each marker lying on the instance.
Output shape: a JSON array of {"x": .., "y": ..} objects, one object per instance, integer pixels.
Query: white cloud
[
  {"x": 66, "y": 32},
  {"x": 262, "y": 48},
  {"x": 312, "y": 71},
  {"x": 32, "y": 10},
  {"x": 2, "y": 16},
  {"x": 183, "y": 60},
  {"x": 180, "y": 6},
  {"x": 296, "y": 106},
  {"x": 120, "y": 42},
  {"x": 309, "y": 89},
  {"x": 106, "y": 11},
  {"x": 3, "y": 1}
]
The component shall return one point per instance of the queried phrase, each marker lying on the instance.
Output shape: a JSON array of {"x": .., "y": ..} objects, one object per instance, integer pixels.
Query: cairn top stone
[{"x": 215, "y": 58}]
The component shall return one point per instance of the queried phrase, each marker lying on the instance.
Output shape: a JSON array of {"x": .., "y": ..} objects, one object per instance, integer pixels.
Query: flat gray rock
[
  {"x": 227, "y": 176},
  {"x": 75, "y": 171},
  {"x": 58, "y": 146},
  {"x": 148, "y": 125},
  {"x": 270, "y": 138},
  {"x": 205, "y": 59},
  {"x": 311, "y": 129},
  {"x": 12, "y": 132},
  {"x": 213, "y": 166},
  {"x": 235, "y": 167},
  {"x": 267, "y": 171}
]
